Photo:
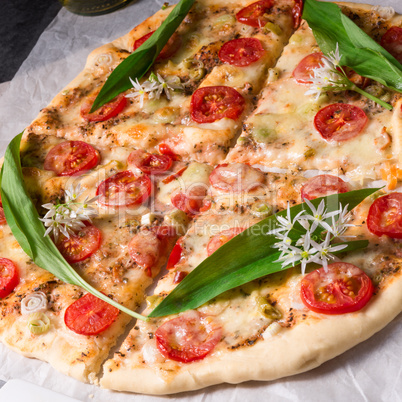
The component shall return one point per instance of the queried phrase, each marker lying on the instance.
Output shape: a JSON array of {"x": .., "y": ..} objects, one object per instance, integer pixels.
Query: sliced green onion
[
  {"x": 375, "y": 90},
  {"x": 267, "y": 309},
  {"x": 261, "y": 209},
  {"x": 34, "y": 303},
  {"x": 225, "y": 20},
  {"x": 38, "y": 323},
  {"x": 179, "y": 219},
  {"x": 153, "y": 301},
  {"x": 270, "y": 27}
]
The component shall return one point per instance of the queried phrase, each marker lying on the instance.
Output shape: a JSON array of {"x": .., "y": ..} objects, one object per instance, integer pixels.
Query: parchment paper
[{"x": 372, "y": 371}]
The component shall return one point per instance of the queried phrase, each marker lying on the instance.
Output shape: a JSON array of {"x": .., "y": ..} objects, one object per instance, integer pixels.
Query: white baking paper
[{"x": 372, "y": 371}]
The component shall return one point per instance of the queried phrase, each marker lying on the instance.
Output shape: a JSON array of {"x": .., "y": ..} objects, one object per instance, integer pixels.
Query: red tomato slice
[
  {"x": 241, "y": 52},
  {"x": 144, "y": 249},
  {"x": 323, "y": 185},
  {"x": 190, "y": 202},
  {"x": 164, "y": 231},
  {"x": 174, "y": 176},
  {"x": 236, "y": 177},
  {"x": 206, "y": 205},
  {"x": 304, "y": 70},
  {"x": 357, "y": 79},
  {"x": 2, "y": 215},
  {"x": 179, "y": 276},
  {"x": 340, "y": 122},
  {"x": 9, "y": 277},
  {"x": 209, "y": 104},
  {"x": 150, "y": 163},
  {"x": 175, "y": 255},
  {"x": 105, "y": 112},
  {"x": 124, "y": 189},
  {"x": 171, "y": 47},
  {"x": 391, "y": 41},
  {"x": 385, "y": 216},
  {"x": 255, "y": 14},
  {"x": 164, "y": 149},
  {"x": 71, "y": 157},
  {"x": 297, "y": 12},
  {"x": 343, "y": 289},
  {"x": 166, "y": 234},
  {"x": 188, "y": 337},
  {"x": 81, "y": 245},
  {"x": 221, "y": 238},
  {"x": 90, "y": 315}
]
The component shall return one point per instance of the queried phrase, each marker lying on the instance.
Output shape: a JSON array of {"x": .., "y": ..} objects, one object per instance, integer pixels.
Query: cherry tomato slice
[
  {"x": 297, "y": 12},
  {"x": 174, "y": 176},
  {"x": 9, "y": 277},
  {"x": 304, "y": 70},
  {"x": 164, "y": 149},
  {"x": 179, "y": 276},
  {"x": 2, "y": 215},
  {"x": 71, "y": 157},
  {"x": 188, "y": 337},
  {"x": 236, "y": 177},
  {"x": 171, "y": 47},
  {"x": 164, "y": 232},
  {"x": 105, "y": 112},
  {"x": 209, "y": 104},
  {"x": 81, "y": 245},
  {"x": 385, "y": 216},
  {"x": 90, "y": 315},
  {"x": 255, "y": 14},
  {"x": 190, "y": 202},
  {"x": 340, "y": 122},
  {"x": 343, "y": 289},
  {"x": 124, "y": 189},
  {"x": 391, "y": 41},
  {"x": 144, "y": 249},
  {"x": 175, "y": 255},
  {"x": 323, "y": 185},
  {"x": 241, "y": 52},
  {"x": 206, "y": 205},
  {"x": 221, "y": 238},
  {"x": 357, "y": 79},
  {"x": 150, "y": 163}
]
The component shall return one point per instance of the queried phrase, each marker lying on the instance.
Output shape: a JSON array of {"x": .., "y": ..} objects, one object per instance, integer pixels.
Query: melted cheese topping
[
  {"x": 281, "y": 131},
  {"x": 196, "y": 64}
]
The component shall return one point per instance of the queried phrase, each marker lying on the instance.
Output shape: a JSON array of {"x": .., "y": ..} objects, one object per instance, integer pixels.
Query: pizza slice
[
  {"x": 199, "y": 90},
  {"x": 118, "y": 250},
  {"x": 276, "y": 326},
  {"x": 337, "y": 132}
]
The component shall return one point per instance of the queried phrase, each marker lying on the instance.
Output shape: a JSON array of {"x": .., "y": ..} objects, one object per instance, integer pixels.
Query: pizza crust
[
  {"x": 61, "y": 353},
  {"x": 299, "y": 349}
]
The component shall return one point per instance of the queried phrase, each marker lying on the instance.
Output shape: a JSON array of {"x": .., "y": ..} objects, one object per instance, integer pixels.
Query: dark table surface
[{"x": 21, "y": 24}]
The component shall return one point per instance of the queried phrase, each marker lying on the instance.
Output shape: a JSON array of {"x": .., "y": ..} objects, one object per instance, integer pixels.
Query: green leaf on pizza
[
  {"x": 140, "y": 61},
  {"x": 247, "y": 257},
  {"x": 359, "y": 52},
  {"x": 23, "y": 220}
]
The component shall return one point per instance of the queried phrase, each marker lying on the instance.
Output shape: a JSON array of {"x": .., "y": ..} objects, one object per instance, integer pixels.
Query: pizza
[
  {"x": 219, "y": 135},
  {"x": 190, "y": 62},
  {"x": 287, "y": 128}
]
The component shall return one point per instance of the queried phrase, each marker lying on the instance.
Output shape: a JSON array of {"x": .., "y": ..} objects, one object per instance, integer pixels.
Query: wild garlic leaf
[
  {"x": 246, "y": 257},
  {"x": 359, "y": 51},
  {"x": 140, "y": 61},
  {"x": 23, "y": 220}
]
